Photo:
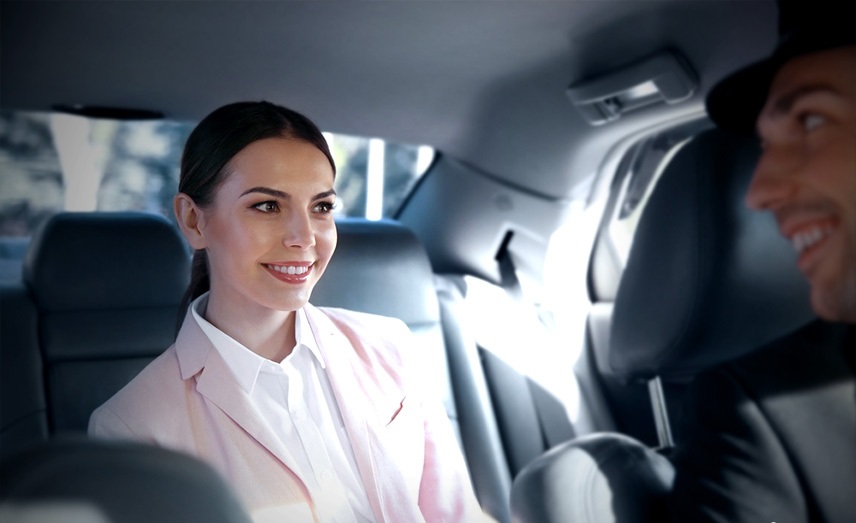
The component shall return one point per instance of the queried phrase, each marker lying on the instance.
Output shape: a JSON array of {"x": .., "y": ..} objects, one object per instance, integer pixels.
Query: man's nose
[{"x": 772, "y": 183}]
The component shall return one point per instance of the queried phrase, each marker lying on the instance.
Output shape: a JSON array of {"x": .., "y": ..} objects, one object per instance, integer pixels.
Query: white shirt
[{"x": 295, "y": 399}]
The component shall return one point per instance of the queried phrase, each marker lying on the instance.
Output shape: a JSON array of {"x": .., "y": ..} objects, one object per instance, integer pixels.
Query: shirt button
[
  {"x": 298, "y": 415},
  {"x": 325, "y": 476}
]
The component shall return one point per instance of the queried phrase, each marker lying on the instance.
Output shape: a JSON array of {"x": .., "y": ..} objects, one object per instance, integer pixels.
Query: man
[{"x": 772, "y": 436}]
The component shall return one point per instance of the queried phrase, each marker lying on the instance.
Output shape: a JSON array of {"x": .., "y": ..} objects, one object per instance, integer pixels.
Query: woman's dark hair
[{"x": 211, "y": 146}]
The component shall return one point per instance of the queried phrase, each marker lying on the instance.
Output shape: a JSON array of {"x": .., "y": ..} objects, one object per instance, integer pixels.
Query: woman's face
[{"x": 269, "y": 232}]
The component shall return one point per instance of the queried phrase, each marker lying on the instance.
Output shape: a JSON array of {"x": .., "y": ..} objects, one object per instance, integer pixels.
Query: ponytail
[{"x": 200, "y": 283}]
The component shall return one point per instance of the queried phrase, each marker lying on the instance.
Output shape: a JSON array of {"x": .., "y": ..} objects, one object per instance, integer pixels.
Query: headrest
[
  {"x": 707, "y": 279},
  {"x": 118, "y": 482},
  {"x": 379, "y": 267},
  {"x": 596, "y": 478},
  {"x": 86, "y": 261}
]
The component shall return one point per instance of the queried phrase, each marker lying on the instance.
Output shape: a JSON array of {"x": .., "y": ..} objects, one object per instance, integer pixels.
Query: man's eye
[
  {"x": 269, "y": 206},
  {"x": 811, "y": 121}
]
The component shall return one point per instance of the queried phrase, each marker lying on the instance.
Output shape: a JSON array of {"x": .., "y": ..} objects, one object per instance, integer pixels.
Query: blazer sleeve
[
  {"x": 446, "y": 492},
  {"x": 731, "y": 467},
  {"x": 106, "y": 424}
]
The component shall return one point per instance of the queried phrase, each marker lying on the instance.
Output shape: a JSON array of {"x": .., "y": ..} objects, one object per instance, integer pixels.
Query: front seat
[
  {"x": 76, "y": 480},
  {"x": 707, "y": 280}
]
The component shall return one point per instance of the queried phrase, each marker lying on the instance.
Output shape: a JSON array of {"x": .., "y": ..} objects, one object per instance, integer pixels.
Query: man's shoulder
[{"x": 811, "y": 355}]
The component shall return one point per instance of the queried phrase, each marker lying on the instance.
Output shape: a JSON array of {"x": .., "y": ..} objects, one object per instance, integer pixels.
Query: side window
[{"x": 51, "y": 162}]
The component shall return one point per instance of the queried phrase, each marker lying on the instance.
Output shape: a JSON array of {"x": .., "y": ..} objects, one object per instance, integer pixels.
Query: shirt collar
[{"x": 244, "y": 363}]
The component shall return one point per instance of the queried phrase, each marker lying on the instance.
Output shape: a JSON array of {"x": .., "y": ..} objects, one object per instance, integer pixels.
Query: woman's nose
[{"x": 299, "y": 232}]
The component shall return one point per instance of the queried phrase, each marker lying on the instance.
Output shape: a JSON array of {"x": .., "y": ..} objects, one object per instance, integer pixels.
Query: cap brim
[{"x": 735, "y": 102}]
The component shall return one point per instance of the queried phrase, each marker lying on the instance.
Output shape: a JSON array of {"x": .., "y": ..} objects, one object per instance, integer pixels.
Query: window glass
[{"x": 51, "y": 162}]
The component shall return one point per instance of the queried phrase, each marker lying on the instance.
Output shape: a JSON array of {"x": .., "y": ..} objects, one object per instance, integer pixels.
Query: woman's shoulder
[
  {"x": 147, "y": 393},
  {"x": 357, "y": 319},
  {"x": 378, "y": 340}
]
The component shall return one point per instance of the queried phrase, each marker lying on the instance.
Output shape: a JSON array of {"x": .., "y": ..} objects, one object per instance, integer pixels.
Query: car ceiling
[{"x": 482, "y": 81}]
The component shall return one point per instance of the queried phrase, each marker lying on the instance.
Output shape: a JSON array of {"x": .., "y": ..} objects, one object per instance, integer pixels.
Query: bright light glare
[
  {"x": 374, "y": 180},
  {"x": 641, "y": 91},
  {"x": 77, "y": 157},
  {"x": 513, "y": 332},
  {"x": 424, "y": 157}
]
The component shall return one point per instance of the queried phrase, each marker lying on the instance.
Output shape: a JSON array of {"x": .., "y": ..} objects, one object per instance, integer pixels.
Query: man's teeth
[
  {"x": 290, "y": 269},
  {"x": 803, "y": 240}
]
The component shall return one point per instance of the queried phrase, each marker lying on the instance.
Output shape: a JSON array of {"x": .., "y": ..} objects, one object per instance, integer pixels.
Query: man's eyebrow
[
  {"x": 784, "y": 103},
  {"x": 284, "y": 195}
]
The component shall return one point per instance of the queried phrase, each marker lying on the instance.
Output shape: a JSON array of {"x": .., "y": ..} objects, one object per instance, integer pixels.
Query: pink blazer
[{"x": 405, "y": 449}]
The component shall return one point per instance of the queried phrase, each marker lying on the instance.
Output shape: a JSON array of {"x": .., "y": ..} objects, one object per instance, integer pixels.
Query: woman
[{"x": 310, "y": 413}]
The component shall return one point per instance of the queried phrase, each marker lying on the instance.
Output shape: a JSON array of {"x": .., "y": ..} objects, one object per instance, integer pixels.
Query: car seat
[
  {"x": 76, "y": 480},
  {"x": 107, "y": 288},
  {"x": 707, "y": 280}
]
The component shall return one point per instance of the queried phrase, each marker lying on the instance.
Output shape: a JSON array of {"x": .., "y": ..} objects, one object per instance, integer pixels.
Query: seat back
[
  {"x": 480, "y": 433},
  {"x": 23, "y": 408},
  {"x": 706, "y": 280},
  {"x": 107, "y": 288},
  {"x": 380, "y": 267}
]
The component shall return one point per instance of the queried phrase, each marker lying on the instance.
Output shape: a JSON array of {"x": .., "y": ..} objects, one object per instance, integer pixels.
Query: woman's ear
[{"x": 190, "y": 220}]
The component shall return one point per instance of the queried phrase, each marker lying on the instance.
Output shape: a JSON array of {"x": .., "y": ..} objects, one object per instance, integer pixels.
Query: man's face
[{"x": 807, "y": 173}]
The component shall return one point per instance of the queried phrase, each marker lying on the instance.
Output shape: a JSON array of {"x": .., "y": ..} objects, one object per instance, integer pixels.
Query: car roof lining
[{"x": 481, "y": 81}]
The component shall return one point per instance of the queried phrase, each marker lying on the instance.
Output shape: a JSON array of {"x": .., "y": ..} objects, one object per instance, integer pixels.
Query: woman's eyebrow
[
  {"x": 268, "y": 191},
  {"x": 284, "y": 195},
  {"x": 324, "y": 194}
]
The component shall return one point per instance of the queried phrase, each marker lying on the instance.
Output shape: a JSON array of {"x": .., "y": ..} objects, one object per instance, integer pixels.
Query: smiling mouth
[
  {"x": 810, "y": 237},
  {"x": 291, "y": 270},
  {"x": 290, "y": 273}
]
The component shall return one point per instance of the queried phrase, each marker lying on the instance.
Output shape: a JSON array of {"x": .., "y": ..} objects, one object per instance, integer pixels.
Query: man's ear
[{"x": 190, "y": 220}]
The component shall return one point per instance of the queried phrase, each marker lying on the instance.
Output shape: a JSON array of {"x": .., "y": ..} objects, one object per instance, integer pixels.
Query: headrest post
[{"x": 661, "y": 414}]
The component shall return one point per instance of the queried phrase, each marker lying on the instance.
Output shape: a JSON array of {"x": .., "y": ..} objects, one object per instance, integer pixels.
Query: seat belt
[{"x": 554, "y": 424}]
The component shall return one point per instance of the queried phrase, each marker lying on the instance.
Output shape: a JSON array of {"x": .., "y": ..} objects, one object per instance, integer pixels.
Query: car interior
[{"x": 575, "y": 252}]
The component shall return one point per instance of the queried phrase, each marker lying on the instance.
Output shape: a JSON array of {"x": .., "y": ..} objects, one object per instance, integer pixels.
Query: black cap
[{"x": 805, "y": 26}]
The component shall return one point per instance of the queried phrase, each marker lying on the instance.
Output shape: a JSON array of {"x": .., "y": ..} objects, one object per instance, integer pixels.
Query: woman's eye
[
  {"x": 269, "y": 206},
  {"x": 811, "y": 121},
  {"x": 324, "y": 207}
]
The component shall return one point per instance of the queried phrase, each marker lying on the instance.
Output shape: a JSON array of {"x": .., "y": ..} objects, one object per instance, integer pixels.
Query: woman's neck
[{"x": 267, "y": 332}]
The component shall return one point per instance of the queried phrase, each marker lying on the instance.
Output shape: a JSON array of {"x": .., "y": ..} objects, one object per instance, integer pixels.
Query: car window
[{"x": 51, "y": 162}]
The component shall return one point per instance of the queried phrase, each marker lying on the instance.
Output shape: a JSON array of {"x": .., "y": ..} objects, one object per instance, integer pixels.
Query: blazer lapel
[
  {"x": 196, "y": 355},
  {"x": 385, "y": 484}
]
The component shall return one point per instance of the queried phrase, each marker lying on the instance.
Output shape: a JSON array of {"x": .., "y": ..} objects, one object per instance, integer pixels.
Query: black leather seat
[
  {"x": 707, "y": 280},
  {"x": 23, "y": 406},
  {"x": 107, "y": 288},
  {"x": 73, "y": 480},
  {"x": 381, "y": 267}
]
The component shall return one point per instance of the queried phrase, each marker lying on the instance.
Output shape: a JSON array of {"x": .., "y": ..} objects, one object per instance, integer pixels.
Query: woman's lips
[{"x": 290, "y": 272}]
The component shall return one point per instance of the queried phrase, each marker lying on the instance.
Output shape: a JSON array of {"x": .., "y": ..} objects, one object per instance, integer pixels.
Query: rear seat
[
  {"x": 107, "y": 287},
  {"x": 105, "y": 302},
  {"x": 23, "y": 407},
  {"x": 381, "y": 268}
]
